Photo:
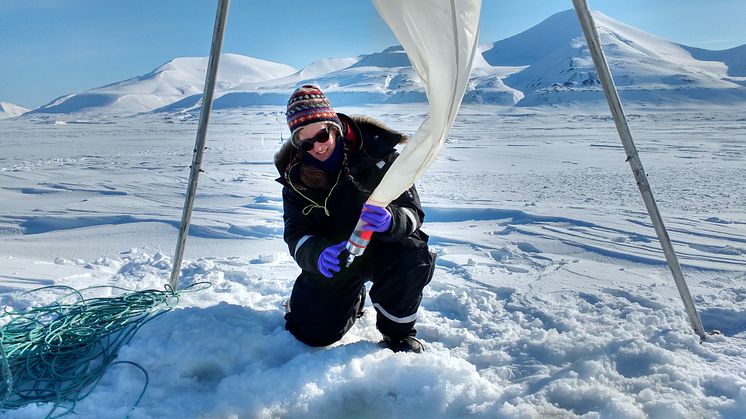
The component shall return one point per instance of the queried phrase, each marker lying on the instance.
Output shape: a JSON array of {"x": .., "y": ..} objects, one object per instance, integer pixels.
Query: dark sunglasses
[{"x": 320, "y": 137}]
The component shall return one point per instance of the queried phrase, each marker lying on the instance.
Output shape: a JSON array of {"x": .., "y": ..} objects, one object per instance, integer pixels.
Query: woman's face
[{"x": 323, "y": 145}]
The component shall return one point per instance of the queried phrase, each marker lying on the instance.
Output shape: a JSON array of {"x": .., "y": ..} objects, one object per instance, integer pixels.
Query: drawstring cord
[{"x": 308, "y": 208}]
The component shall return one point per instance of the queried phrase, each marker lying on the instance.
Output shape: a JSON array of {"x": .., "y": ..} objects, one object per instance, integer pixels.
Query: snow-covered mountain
[
  {"x": 646, "y": 69},
  {"x": 178, "y": 80},
  {"x": 383, "y": 77},
  {"x": 734, "y": 58},
  {"x": 10, "y": 110},
  {"x": 548, "y": 64}
]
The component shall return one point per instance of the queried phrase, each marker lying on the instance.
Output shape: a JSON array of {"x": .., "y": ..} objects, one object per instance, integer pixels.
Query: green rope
[{"x": 58, "y": 353}]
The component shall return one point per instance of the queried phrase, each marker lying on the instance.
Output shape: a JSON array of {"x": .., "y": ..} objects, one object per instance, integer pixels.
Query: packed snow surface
[{"x": 551, "y": 297}]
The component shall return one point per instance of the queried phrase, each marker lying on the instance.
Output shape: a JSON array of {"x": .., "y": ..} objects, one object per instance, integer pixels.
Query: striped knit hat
[{"x": 307, "y": 105}]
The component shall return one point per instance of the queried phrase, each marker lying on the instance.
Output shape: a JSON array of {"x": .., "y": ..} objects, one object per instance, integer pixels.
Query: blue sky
[{"x": 49, "y": 48}]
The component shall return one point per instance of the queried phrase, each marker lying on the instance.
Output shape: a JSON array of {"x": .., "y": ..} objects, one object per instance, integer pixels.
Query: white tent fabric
[{"x": 440, "y": 37}]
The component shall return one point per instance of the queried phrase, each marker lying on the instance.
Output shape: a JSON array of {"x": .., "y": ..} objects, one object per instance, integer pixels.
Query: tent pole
[
  {"x": 615, "y": 105},
  {"x": 199, "y": 147}
]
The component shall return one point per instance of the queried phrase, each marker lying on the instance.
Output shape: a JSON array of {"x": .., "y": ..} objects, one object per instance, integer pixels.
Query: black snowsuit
[{"x": 398, "y": 263}]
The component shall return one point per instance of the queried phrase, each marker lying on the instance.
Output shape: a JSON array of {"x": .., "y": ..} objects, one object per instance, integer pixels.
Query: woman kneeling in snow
[{"x": 328, "y": 169}]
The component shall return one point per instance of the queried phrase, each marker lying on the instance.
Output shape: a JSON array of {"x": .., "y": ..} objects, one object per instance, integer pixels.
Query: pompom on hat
[{"x": 308, "y": 105}]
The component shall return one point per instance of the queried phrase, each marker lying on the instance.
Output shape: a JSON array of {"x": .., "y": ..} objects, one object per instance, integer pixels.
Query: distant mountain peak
[
  {"x": 10, "y": 110},
  {"x": 173, "y": 81},
  {"x": 395, "y": 48},
  {"x": 645, "y": 67},
  {"x": 534, "y": 43},
  {"x": 393, "y": 56}
]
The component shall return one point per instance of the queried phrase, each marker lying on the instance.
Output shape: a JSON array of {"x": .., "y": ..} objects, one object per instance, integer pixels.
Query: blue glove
[
  {"x": 376, "y": 219},
  {"x": 329, "y": 259}
]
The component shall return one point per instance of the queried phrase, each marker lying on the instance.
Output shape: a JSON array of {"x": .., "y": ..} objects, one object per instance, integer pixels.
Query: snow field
[{"x": 551, "y": 297}]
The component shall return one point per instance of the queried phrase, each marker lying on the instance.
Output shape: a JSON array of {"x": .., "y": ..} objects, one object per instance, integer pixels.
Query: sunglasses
[{"x": 320, "y": 137}]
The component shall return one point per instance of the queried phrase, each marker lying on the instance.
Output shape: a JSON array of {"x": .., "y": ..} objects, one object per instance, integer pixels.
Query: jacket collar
[{"x": 353, "y": 126}]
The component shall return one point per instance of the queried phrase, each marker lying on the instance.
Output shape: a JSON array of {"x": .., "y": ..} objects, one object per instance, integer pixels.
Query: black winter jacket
[{"x": 317, "y": 217}]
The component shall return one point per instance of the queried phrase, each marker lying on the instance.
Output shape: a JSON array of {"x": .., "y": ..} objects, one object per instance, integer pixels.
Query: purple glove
[
  {"x": 377, "y": 219},
  {"x": 329, "y": 259}
]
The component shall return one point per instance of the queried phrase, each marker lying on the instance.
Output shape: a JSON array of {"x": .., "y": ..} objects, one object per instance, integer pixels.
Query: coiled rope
[{"x": 58, "y": 353}]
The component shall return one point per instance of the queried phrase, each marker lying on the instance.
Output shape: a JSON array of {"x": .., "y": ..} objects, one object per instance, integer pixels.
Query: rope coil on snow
[{"x": 57, "y": 353}]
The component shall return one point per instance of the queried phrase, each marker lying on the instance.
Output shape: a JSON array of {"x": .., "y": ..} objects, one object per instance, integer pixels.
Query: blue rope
[{"x": 58, "y": 353}]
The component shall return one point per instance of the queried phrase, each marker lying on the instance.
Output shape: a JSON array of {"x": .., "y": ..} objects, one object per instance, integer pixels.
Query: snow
[
  {"x": 10, "y": 110},
  {"x": 551, "y": 297}
]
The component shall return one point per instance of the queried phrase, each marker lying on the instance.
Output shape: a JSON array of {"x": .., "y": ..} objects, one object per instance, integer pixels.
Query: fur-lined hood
[{"x": 371, "y": 136}]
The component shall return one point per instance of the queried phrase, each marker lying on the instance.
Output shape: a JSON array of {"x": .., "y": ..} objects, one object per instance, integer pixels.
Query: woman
[{"x": 328, "y": 169}]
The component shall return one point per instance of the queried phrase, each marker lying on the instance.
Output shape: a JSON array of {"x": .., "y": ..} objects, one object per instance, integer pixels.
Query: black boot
[{"x": 403, "y": 344}]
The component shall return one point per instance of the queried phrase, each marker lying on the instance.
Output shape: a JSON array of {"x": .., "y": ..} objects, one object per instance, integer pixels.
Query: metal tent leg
[
  {"x": 615, "y": 105},
  {"x": 199, "y": 147}
]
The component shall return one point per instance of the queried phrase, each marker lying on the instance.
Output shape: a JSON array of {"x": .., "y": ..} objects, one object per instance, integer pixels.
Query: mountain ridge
[{"x": 548, "y": 64}]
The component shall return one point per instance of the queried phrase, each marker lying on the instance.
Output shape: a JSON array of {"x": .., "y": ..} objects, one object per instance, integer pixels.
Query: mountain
[
  {"x": 533, "y": 44},
  {"x": 734, "y": 59},
  {"x": 177, "y": 80},
  {"x": 382, "y": 77},
  {"x": 548, "y": 64},
  {"x": 486, "y": 83},
  {"x": 646, "y": 69},
  {"x": 9, "y": 110}
]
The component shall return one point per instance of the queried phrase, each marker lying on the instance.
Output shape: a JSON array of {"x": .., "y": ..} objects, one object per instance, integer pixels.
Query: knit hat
[{"x": 307, "y": 105}]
